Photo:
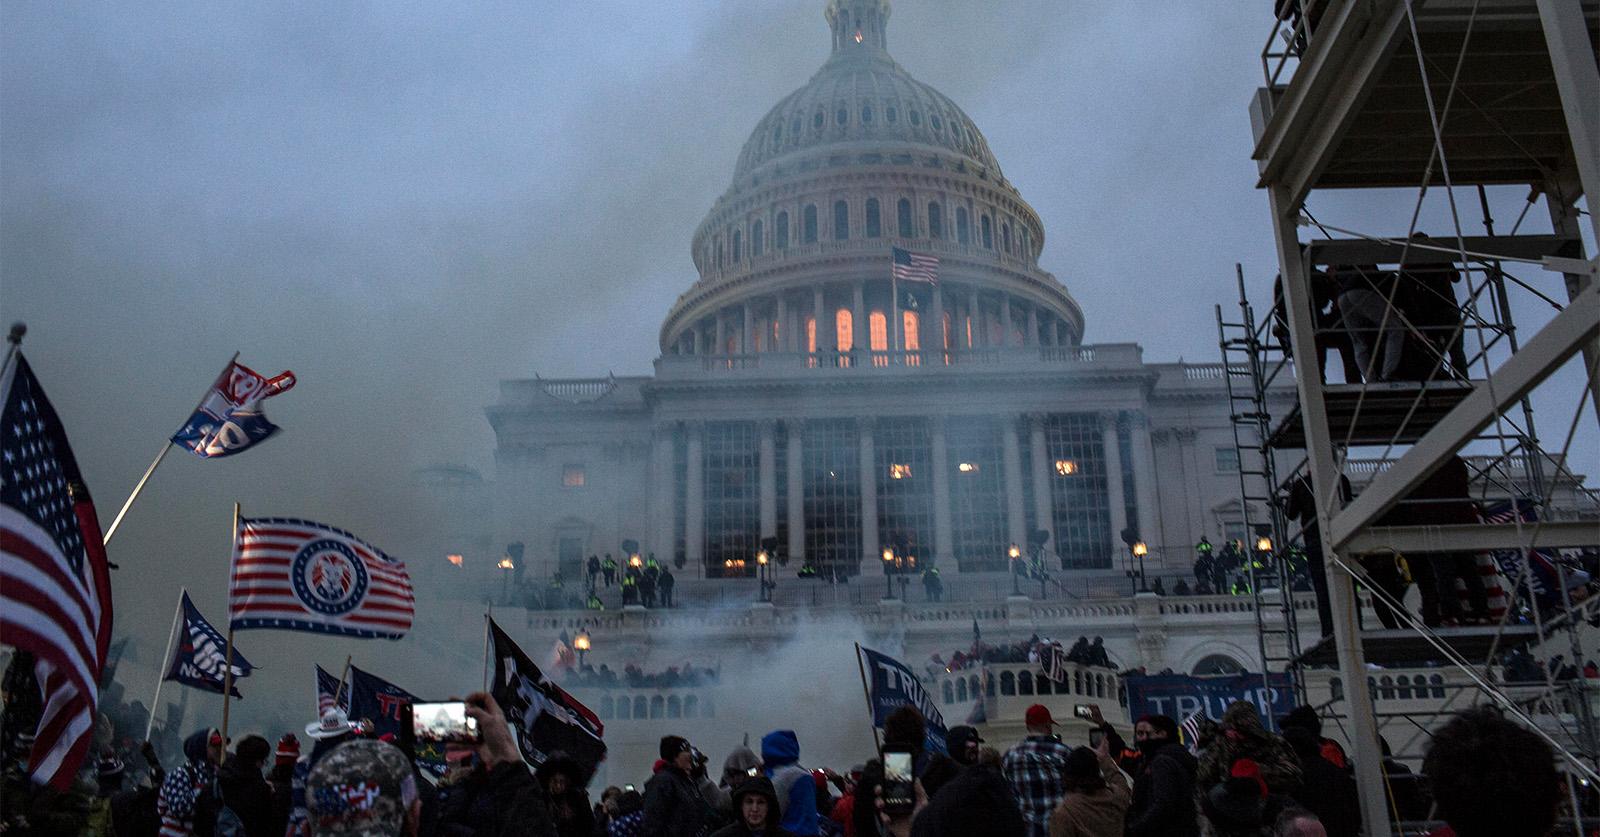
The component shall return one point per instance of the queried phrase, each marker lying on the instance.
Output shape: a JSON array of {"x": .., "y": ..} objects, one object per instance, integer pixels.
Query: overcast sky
[{"x": 407, "y": 202}]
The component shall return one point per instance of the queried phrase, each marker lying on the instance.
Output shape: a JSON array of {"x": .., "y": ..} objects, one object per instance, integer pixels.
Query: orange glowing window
[
  {"x": 969, "y": 331},
  {"x": 944, "y": 329},
  {"x": 1066, "y": 467},
  {"x": 845, "y": 330},
  {"x": 898, "y": 471},
  {"x": 910, "y": 328},
  {"x": 454, "y": 559},
  {"x": 573, "y": 476},
  {"x": 811, "y": 334},
  {"x": 777, "y": 338},
  {"x": 878, "y": 327}
]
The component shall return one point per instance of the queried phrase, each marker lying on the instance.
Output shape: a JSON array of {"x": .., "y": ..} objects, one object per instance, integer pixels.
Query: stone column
[
  {"x": 1011, "y": 455},
  {"x": 1005, "y": 320},
  {"x": 819, "y": 308},
  {"x": 870, "y": 546},
  {"x": 785, "y": 339},
  {"x": 1114, "y": 490},
  {"x": 795, "y": 477},
  {"x": 944, "y": 552},
  {"x": 666, "y": 493},
  {"x": 698, "y": 335},
  {"x": 694, "y": 500},
  {"x": 747, "y": 333},
  {"x": 722, "y": 336},
  {"x": 1042, "y": 463},
  {"x": 974, "y": 319},
  {"x": 937, "y": 344},
  {"x": 1032, "y": 337},
  {"x": 1144, "y": 477},
  {"x": 767, "y": 479},
  {"x": 1048, "y": 338},
  {"x": 860, "y": 335}
]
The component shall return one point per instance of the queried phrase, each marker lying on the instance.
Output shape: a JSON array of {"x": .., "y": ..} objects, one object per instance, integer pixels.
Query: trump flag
[
  {"x": 229, "y": 418},
  {"x": 302, "y": 576},
  {"x": 198, "y": 660}
]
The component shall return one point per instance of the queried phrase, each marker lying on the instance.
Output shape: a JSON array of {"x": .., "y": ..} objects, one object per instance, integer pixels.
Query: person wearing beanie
[
  {"x": 755, "y": 805},
  {"x": 178, "y": 802},
  {"x": 1097, "y": 796},
  {"x": 797, "y": 794},
  {"x": 1325, "y": 790},
  {"x": 676, "y": 801},
  {"x": 281, "y": 778},
  {"x": 1241, "y": 805},
  {"x": 1244, "y": 736},
  {"x": 1305, "y": 717}
]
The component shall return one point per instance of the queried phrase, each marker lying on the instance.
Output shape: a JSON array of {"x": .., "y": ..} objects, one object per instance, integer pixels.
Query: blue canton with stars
[{"x": 37, "y": 469}]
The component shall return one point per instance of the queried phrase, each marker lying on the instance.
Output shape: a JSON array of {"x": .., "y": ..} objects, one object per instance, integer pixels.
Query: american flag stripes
[
  {"x": 1191, "y": 731},
  {"x": 303, "y": 576},
  {"x": 55, "y": 583},
  {"x": 327, "y": 684},
  {"x": 915, "y": 267}
]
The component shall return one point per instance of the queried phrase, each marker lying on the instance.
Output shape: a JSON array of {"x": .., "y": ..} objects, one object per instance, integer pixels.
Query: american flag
[
  {"x": 302, "y": 576},
  {"x": 55, "y": 584},
  {"x": 1191, "y": 732},
  {"x": 1053, "y": 659},
  {"x": 327, "y": 684},
  {"x": 915, "y": 267}
]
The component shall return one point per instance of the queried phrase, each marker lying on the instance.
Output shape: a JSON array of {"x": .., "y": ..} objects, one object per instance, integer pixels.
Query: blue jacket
[{"x": 797, "y": 792}]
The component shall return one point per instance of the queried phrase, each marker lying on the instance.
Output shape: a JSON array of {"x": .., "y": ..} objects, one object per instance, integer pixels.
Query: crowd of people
[
  {"x": 1032, "y": 650},
  {"x": 633, "y": 677},
  {"x": 1485, "y": 776}
]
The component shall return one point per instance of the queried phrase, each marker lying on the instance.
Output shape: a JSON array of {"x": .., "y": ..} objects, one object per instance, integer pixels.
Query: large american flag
[
  {"x": 55, "y": 584},
  {"x": 302, "y": 576},
  {"x": 915, "y": 267}
]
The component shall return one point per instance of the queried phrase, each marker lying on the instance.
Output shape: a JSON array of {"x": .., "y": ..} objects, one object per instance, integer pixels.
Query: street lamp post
[
  {"x": 581, "y": 643},
  {"x": 508, "y": 566},
  {"x": 761, "y": 576},
  {"x": 1139, "y": 551},
  {"x": 1263, "y": 557},
  {"x": 1015, "y": 553},
  {"x": 888, "y": 571}
]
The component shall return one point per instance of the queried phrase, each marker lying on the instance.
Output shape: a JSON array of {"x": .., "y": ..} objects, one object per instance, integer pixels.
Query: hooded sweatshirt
[
  {"x": 797, "y": 793},
  {"x": 758, "y": 785}
]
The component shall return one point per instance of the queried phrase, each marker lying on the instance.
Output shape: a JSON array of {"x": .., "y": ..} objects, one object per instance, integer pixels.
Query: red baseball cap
[{"x": 1038, "y": 716}]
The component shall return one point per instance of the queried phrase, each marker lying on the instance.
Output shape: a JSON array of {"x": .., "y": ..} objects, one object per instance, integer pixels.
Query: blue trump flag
[
  {"x": 198, "y": 659},
  {"x": 892, "y": 685},
  {"x": 379, "y": 702},
  {"x": 1178, "y": 696},
  {"x": 229, "y": 419}
]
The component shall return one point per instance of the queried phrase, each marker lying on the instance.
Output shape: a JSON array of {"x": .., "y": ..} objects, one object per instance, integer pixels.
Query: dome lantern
[{"x": 858, "y": 26}]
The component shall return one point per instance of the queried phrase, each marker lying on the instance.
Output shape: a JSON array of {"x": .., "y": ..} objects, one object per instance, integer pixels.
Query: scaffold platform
[{"x": 1403, "y": 647}]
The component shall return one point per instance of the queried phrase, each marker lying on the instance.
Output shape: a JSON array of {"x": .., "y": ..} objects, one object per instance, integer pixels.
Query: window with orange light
[
  {"x": 910, "y": 330},
  {"x": 845, "y": 332},
  {"x": 878, "y": 328},
  {"x": 811, "y": 334},
  {"x": 454, "y": 559},
  {"x": 573, "y": 476}
]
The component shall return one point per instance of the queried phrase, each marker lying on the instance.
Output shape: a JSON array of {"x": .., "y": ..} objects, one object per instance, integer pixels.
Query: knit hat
[
  {"x": 288, "y": 749},
  {"x": 362, "y": 789},
  {"x": 672, "y": 745},
  {"x": 1240, "y": 801}
]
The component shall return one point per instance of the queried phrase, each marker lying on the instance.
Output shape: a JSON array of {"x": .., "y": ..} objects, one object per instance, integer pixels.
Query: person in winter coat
[
  {"x": 245, "y": 791},
  {"x": 185, "y": 789},
  {"x": 797, "y": 792},
  {"x": 977, "y": 802},
  {"x": 676, "y": 801},
  {"x": 499, "y": 798},
  {"x": 1241, "y": 805},
  {"x": 629, "y": 816},
  {"x": 562, "y": 780},
  {"x": 1325, "y": 790},
  {"x": 1163, "y": 791},
  {"x": 741, "y": 764},
  {"x": 755, "y": 806},
  {"x": 1097, "y": 798},
  {"x": 281, "y": 778},
  {"x": 1243, "y": 736}
]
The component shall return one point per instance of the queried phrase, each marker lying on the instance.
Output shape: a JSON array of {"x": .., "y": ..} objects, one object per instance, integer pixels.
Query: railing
[
  {"x": 799, "y": 252},
  {"x": 1114, "y": 354},
  {"x": 1023, "y": 680},
  {"x": 578, "y": 389},
  {"x": 1293, "y": 27}
]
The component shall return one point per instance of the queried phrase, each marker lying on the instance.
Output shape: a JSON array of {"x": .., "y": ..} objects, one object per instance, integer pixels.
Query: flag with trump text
[
  {"x": 198, "y": 658},
  {"x": 546, "y": 718},
  {"x": 297, "y": 575},
  {"x": 892, "y": 685},
  {"x": 229, "y": 418},
  {"x": 55, "y": 582},
  {"x": 384, "y": 706}
]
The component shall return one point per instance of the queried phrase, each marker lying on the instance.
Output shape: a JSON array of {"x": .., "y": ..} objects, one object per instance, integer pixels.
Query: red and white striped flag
[
  {"x": 55, "y": 583},
  {"x": 915, "y": 267},
  {"x": 297, "y": 575}
]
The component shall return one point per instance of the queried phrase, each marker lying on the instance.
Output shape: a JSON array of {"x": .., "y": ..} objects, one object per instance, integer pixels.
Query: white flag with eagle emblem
[{"x": 296, "y": 575}]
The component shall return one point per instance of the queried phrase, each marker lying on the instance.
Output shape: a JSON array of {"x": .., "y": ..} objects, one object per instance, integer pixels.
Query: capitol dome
[{"x": 862, "y": 160}]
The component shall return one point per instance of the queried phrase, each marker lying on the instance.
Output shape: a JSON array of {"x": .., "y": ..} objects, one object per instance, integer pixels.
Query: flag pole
[
  {"x": 128, "y": 504},
  {"x": 866, "y": 691},
  {"x": 227, "y": 657},
  {"x": 488, "y": 618},
  {"x": 161, "y": 674},
  {"x": 14, "y": 337},
  {"x": 894, "y": 291}
]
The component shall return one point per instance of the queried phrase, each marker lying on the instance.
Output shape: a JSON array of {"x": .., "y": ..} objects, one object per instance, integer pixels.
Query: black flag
[{"x": 546, "y": 718}]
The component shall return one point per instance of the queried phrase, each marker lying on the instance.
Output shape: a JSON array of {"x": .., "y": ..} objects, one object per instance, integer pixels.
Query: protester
[
  {"x": 498, "y": 797},
  {"x": 365, "y": 789},
  {"x": 189, "y": 796},
  {"x": 1492, "y": 777},
  {"x": 977, "y": 802},
  {"x": 1298, "y": 822},
  {"x": 797, "y": 796},
  {"x": 561, "y": 777},
  {"x": 1241, "y": 804},
  {"x": 245, "y": 791},
  {"x": 1305, "y": 717},
  {"x": 1326, "y": 790},
  {"x": 675, "y": 801},
  {"x": 741, "y": 764},
  {"x": 1036, "y": 770},
  {"x": 1245, "y": 737},
  {"x": 628, "y": 821},
  {"x": 755, "y": 805},
  {"x": 281, "y": 778},
  {"x": 1097, "y": 798},
  {"x": 1163, "y": 792},
  {"x": 330, "y": 730}
]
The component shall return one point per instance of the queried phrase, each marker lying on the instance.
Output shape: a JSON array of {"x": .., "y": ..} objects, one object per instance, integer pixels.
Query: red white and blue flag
[
  {"x": 327, "y": 685},
  {"x": 198, "y": 660},
  {"x": 915, "y": 267},
  {"x": 301, "y": 576},
  {"x": 229, "y": 418},
  {"x": 55, "y": 583}
]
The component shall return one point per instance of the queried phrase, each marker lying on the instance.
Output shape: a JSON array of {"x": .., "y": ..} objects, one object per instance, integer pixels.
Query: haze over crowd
[{"x": 407, "y": 203}]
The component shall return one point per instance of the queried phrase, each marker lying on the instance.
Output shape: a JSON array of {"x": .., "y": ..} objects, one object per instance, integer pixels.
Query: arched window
[
  {"x": 878, "y": 331},
  {"x": 736, "y": 242},
  {"x": 691, "y": 706},
  {"x": 811, "y": 335},
  {"x": 843, "y": 117},
  {"x": 916, "y": 118},
  {"x": 902, "y": 213},
  {"x": 777, "y": 133},
  {"x": 780, "y": 231},
  {"x": 674, "y": 707},
  {"x": 1024, "y": 683},
  {"x": 794, "y": 129},
  {"x": 809, "y": 225},
  {"x": 866, "y": 114},
  {"x": 949, "y": 692},
  {"x": 934, "y": 121},
  {"x": 874, "y": 223},
  {"x": 1217, "y": 664},
  {"x": 606, "y": 708},
  {"x": 816, "y": 120},
  {"x": 1403, "y": 691},
  {"x": 1042, "y": 683},
  {"x": 841, "y": 220},
  {"x": 961, "y": 690},
  {"x": 1437, "y": 680},
  {"x": 641, "y": 707},
  {"x": 657, "y": 705},
  {"x": 757, "y": 239},
  {"x": 1099, "y": 685},
  {"x": 963, "y": 229},
  {"x": 1005, "y": 236},
  {"x": 1008, "y": 683},
  {"x": 622, "y": 709},
  {"x": 910, "y": 330},
  {"x": 1386, "y": 687},
  {"x": 845, "y": 330},
  {"x": 988, "y": 233},
  {"x": 935, "y": 220},
  {"x": 1077, "y": 682}
]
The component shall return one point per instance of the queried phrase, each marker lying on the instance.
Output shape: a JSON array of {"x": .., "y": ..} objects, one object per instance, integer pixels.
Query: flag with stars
[
  {"x": 229, "y": 419},
  {"x": 198, "y": 659},
  {"x": 55, "y": 584}
]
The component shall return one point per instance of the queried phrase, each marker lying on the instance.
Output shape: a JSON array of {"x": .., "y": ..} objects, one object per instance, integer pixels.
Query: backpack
[{"x": 213, "y": 817}]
